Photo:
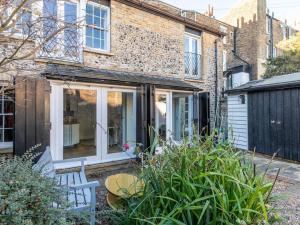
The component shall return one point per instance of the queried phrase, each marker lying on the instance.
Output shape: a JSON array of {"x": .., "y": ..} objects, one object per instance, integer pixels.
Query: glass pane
[
  {"x": 161, "y": 115},
  {"x": 1, "y": 121},
  {"x": 182, "y": 116},
  {"x": 89, "y": 19},
  {"x": 8, "y": 135},
  {"x": 104, "y": 18},
  {"x": 89, "y": 42},
  {"x": 8, "y": 121},
  {"x": 121, "y": 121},
  {"x": 79, "y": 123},
  {"x": 194, "y": 46},
  {"x": 70, "y": 33},
  {"x": 96, "y": 33},
  {"x": 186, "y": 45},
  {"x": 1, "y": 135},
  {"x": 97, "y": 21},
  {"x": 49, "y": 24},
  {"x": 70, "y": 13},
  {"x": 89, "y": 32},
  {"x": 96, "y": 43},
  {"x": 96, "y": 11},
  {"x": 89, "y": 9}
]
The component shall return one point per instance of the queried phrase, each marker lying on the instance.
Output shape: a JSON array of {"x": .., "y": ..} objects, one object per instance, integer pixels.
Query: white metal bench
[{"x": 81, "y": 194}]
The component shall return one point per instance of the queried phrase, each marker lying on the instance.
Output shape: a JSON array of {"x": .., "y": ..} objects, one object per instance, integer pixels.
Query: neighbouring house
[
  {"x": 257, "y": 32},
  {"x": 265, "y": 115},
  {"x": 133, "y": 65}
]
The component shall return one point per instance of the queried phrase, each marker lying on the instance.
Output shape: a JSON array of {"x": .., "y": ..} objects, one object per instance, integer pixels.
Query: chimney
[{"x": 210, "y": 11}]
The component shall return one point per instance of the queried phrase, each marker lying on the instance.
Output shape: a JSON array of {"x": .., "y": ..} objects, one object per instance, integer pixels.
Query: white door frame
[
  {"x": 56, "y": 118},
  {"x": 120, "y": 155},
  {"x": 168, "y": 111}
]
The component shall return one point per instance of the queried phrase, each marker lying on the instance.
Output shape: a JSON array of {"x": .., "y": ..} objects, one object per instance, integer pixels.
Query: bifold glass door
[
  {"x": 173, "y": 116},
  {"x": 121, "y": 123},
  {"x": 94, "y": 122},
  {"x": 79, "y": 116}
]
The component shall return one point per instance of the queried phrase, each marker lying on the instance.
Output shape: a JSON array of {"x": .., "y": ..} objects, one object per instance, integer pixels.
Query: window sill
[
  {"x": 57, "y": 61},
  {"x": 191, "y": 79},
  {"x": 92, "y": 50}
]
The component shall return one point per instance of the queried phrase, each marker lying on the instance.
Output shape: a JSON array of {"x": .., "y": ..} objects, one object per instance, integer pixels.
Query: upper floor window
[
  {"x": 23, "y": 26},
  {"x": 268, "y": 25},
  {"x": 6, "y": 119},
  {"x": 60, "y": 30},
  {"x": 224, "y": 60},
  {"x": 97, "y": 26},
  {"x": 274, "y": 52},
  {"x": 192, "y": 46},
  {"x": 268, "y": 51}
]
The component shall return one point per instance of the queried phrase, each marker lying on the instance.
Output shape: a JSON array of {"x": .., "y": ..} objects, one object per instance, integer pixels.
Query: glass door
[
  {"x": 79, "y": 123},
  {"x": 119, "y": 114},
  {"x": 162, "y": 117},
  {"x": 94, "y": 122}
]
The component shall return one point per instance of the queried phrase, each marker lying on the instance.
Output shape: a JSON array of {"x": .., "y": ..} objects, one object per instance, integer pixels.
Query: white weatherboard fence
[{"x": 238, "y": 120}]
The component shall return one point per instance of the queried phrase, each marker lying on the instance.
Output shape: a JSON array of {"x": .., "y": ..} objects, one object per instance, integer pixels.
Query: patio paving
[{"x": 288, "y": 170}]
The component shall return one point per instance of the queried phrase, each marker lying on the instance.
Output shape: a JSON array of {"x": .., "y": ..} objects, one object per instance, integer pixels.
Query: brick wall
[{"x": 249, "y": 16}]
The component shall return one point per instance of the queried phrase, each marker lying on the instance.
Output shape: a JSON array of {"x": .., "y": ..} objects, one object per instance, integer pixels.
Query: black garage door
[{"x": 274, "y": 122}]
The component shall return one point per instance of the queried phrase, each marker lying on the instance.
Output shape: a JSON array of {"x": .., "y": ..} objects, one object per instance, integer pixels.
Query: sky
[{"x": 283, "y": 9}]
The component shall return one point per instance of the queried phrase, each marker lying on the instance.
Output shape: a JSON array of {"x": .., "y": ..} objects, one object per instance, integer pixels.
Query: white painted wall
[
  {"x": 238, "y": 121},
  {"x": 239, "y": 79}
]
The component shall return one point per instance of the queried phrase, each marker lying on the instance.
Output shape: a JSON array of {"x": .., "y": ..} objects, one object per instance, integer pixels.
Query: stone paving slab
[{"x": 288, "y": 170}]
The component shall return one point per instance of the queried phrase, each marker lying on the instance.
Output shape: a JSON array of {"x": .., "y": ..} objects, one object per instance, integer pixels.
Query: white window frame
[
  {"x": 3, "y": 144},
  {"x": 268, "y": 24},
  {"x": 274, "y": 52},
  {"x": 224, "y": 60},
  {"x": 60, "y": 51},
  {"x": 199, "y": 51},
  {"x": 267, "y": 51},
  {"x": 85, "y": 2},
  {"x": 225, "y": 40},
  {"x": 56, "y": 118}
]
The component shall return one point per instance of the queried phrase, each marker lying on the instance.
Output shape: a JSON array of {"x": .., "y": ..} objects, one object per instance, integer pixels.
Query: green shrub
[
  {"x": 27, "y": 197},
  {"x": 199, "y": 184}
]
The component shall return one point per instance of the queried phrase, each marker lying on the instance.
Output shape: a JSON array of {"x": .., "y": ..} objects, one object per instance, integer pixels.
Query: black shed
[{"x": 270, "y": 120}]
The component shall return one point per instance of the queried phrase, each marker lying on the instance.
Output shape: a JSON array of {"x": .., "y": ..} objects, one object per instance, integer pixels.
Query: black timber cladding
[
  {"x": 274, "y": 122},
  {"x": 85, "y": 74},
  {"x": 274, "y": 115},
  {"x": 32, "y": 114}
]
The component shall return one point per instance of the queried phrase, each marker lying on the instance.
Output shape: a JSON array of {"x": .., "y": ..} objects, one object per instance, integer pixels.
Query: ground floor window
[{"x": 6, "y": 119}]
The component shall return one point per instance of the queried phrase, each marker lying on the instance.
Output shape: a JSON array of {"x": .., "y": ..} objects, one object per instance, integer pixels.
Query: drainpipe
[
  {"x": 216, "y": 81},
  {"x": 271, "y": 35}
]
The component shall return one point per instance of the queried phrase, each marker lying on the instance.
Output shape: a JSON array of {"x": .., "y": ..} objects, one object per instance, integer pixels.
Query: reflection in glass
[
  {"x": 182, "y": 116},
  {"x": 120, "y": 121},
  {"x": 161, "y": 115},
  {"x": 79, "y": 123}
]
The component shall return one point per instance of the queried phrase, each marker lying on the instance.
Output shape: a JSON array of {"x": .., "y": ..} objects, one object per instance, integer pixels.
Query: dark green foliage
[
  {"x": 201, "y": 184},
  {"x": 27, "y": 197},
  {"x": 286, "y": 64}
]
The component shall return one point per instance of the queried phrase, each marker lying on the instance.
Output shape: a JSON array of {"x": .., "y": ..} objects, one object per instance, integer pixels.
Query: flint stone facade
[{"x": 147, "y": 43}]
